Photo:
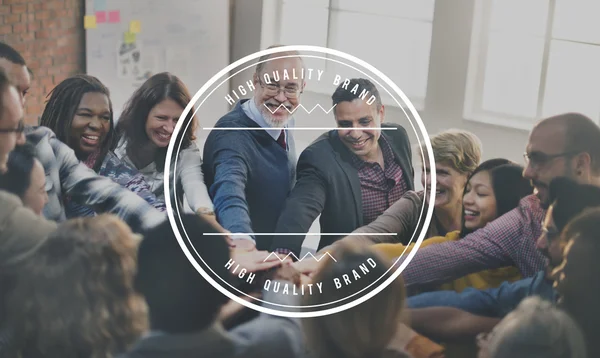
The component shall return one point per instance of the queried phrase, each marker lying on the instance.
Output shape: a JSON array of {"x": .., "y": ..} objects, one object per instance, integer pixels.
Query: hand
[
  {"x": 287, "y": 273},
  {"x": 254, "y": 261},
  {"x": 243, "y": 245},
  {"x": 212, "y": 220},
  {"x": 308, "y": 266},
  {"x": 305, "y": 279}
]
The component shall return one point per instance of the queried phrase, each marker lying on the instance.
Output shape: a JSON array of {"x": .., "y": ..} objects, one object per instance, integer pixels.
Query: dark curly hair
[
  {"x": 75, "y": 296},
  {"x": 62, "y": 103}
]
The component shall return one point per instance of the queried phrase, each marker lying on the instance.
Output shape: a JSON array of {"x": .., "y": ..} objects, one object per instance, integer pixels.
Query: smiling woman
[
  {"x": 79, "y": 111},
  {"x": 144, "y": 131}
]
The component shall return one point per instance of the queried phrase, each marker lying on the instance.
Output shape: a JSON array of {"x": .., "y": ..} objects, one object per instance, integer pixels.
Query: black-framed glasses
[
  {"x": 20, "y": 128},
  {"x": 273, "y": 90},
  {"x": 538, "y": 159}
]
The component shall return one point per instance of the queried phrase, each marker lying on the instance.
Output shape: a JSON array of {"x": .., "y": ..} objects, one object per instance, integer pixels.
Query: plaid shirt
[
  {"x": 379, "y": 188},
  {"x": 506, "y": 241},
  {"x": 65, "y": 175}
]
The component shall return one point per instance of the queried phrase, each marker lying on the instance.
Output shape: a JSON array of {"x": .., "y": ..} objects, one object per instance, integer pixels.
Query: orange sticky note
[
  {"x": 129, "y": 37},
  {"x": 100, "y": 17},
  {"x": 135, "y": 26},
  {"x": 89, "y": 22}
]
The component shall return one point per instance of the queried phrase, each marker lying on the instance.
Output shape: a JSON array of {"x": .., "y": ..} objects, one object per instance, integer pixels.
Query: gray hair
[{"x": 537, "y": 329}]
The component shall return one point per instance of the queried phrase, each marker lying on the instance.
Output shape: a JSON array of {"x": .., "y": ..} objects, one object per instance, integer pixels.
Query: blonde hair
[
  {"x": 361, "y": 331},
  {"x": 458, "y": 148}
]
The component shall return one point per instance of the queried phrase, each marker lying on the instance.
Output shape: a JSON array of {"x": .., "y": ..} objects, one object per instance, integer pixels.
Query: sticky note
[
  {"x": 129, "y": 37},
  {"x": 135, "y": 26},
  {"x": 114, "y": 16},
  {"x": 100, "y": 17},
  {"x": 99, "y": 5},
  {"x": 89, "y": 22}
]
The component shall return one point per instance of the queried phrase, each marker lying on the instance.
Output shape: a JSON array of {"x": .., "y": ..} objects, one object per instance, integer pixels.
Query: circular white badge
[{"x": 324, "y": 70}]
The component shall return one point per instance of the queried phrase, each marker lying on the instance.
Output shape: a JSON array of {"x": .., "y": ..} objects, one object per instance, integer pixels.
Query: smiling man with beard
[
  {"x": 566, "y": 145},
  {"x": 250, "y": 171},
  {"x": 349, "y": 176}
]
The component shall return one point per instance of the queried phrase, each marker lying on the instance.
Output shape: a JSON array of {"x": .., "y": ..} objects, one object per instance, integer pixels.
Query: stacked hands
[{"x": 245, "y": 253}]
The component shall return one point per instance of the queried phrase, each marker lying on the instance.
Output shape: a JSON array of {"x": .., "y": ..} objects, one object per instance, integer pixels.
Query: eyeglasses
[
  {"x": 538, "y": 159},
  {"x": 20, "y": 128},
  {"x": 273, "y": 90}
]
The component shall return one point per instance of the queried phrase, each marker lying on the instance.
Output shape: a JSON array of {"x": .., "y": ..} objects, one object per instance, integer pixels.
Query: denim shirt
[{"x": 493, "y": 302}]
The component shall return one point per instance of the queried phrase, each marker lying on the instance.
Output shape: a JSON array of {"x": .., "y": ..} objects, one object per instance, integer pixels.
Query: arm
[
  {"x": 229, "y": 191},
  {"x": 490, "y": 247},
  {"x": 21, "y": 231},
  {"x": 138, "y": 185},
  {"x": 401, "y": 218},
  {"x": 189, "y": 172},
  {"x": 450, "y": 324},
  {"x": 127, "y": 176},
  {"x": 304, "y": 204},
  {"x": 102, "y": 194}
]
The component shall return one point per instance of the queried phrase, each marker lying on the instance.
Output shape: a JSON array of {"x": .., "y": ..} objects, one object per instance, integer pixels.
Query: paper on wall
[{"x": 129, "y": 60}]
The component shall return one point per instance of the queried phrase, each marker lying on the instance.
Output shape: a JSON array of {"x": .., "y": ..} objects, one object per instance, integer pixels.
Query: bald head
[{"x": 577, "y": 132}]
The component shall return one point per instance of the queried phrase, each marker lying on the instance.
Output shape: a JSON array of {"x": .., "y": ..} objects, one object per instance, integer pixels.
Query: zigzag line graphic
[
  {"x": 300, "y": 105},
  {"x": 300, "y": 260}
]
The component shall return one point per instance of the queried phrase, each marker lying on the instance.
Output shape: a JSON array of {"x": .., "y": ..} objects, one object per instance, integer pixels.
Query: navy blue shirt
[
  {"x": 492, "y": 302},
  {"x": 248, "y": 174}
]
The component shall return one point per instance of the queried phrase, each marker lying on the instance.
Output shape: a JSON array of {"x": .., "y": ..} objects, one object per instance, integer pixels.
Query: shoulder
[
  {"x": 398, "y": 130},
  {"x": 530, "y": 209},
  {"x": 235, "y": 118},
  {"x": 38, "y": 133},
  {"x": 8, "y": 202},
  {"x": 320, "y": 150},
  {"x": 531, "y": 203}
]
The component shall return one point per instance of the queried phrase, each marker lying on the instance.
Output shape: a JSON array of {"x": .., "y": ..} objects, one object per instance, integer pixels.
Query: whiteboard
[{"x": 189, "y": 38}]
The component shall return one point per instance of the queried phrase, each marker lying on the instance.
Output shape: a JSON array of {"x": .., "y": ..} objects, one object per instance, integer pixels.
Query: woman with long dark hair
[{"x": 144, "y": 131}]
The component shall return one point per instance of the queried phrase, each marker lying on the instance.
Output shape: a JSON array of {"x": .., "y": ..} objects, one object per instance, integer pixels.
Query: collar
[
  {"x": 249, "y": 107},
  {"x": 386, "y": 150}
]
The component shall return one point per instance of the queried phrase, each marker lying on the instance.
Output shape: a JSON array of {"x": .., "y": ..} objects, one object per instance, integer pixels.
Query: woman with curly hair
[{"x": 75, "y": 296}]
